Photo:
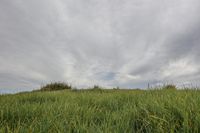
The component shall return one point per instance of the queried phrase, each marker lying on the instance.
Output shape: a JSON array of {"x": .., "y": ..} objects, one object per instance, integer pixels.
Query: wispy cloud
[{"x": 110, "y": 43}]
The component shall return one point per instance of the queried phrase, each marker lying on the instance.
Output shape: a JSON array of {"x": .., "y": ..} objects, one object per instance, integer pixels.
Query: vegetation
[
  {"x": 169, "y": 86},
  {"x": 56, "y": 86},
  {"x": 117, "y": 111}
]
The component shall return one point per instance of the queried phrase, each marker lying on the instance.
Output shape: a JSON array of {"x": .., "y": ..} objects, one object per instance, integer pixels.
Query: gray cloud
[{"x": 110, "y": 43}]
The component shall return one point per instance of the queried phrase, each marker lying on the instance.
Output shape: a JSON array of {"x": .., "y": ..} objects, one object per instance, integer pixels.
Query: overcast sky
[{"x": 125, "y": 43}]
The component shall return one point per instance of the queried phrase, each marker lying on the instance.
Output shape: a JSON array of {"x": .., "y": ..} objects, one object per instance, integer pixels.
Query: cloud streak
[{"x": 111, "y": 43}]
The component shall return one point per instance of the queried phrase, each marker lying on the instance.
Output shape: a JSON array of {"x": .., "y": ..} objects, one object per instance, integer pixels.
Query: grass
[{"x": 101, "y": 111}]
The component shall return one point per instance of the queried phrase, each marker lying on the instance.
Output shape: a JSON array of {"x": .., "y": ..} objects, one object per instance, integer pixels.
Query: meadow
[{"x": 101, "y": 111}]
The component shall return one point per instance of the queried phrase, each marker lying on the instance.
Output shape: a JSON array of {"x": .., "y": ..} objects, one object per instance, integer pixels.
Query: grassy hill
[{"x": 97, "y": 111}]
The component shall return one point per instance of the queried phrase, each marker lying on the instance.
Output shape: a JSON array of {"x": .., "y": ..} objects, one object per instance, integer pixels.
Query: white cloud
[
  {"x": 181, "y": 67},
  {"x": 109, "y": 43}
]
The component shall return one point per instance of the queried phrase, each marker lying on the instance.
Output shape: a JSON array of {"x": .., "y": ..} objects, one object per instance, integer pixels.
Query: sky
[{"x": 125, "y": 43}]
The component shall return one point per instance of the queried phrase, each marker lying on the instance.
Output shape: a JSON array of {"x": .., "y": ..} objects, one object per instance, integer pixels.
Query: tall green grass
[{"x": 101, "y": 111}]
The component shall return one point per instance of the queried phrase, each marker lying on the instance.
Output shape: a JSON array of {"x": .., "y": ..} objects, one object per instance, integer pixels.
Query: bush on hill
[
  {"x": 56, "y": 86},
  {"x": 169, "y": 87}
]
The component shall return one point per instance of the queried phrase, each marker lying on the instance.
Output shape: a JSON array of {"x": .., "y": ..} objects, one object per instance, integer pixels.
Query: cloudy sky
[{"x": 125, "y": 43}]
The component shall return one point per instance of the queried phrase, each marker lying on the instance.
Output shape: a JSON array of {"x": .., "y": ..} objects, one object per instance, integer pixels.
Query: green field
[{"x": 101, "y": 111}]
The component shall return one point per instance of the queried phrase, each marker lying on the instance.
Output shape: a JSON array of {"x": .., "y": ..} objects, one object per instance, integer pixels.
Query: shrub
[
  {"x": 96, "y": 87},
  {"x": 169, "y": 87},
  {"x": 117, "y": 88},
  {"x": 56, "y": 86}
]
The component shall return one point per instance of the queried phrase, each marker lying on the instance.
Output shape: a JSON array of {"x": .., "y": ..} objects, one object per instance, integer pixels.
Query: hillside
[{"x": 101, "y": 111}]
